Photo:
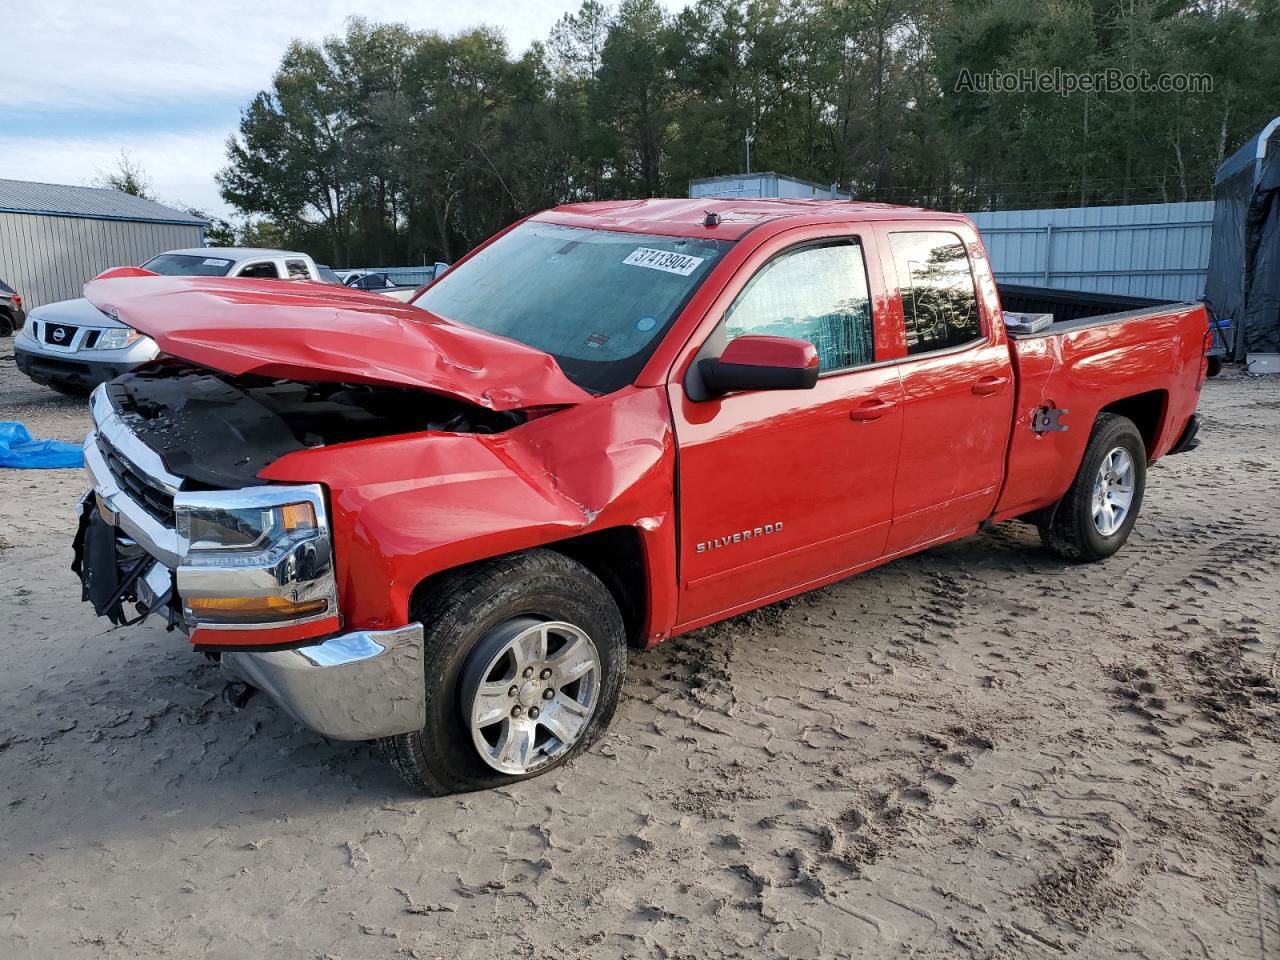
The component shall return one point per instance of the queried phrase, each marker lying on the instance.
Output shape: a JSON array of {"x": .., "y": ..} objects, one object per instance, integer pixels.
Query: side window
[
  {"x": 263, "y": 271},
  {"x": 816, "y": 293},
  {"x": 297, "y": 269},
  {"x": 939, "y": 301}
]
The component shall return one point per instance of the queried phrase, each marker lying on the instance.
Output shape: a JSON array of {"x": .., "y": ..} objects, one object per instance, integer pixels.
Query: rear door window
[
  {"x": 816, "y": 293},
  {"x": 263, "y": 270},
  {"x": 939, "y": 299},
  {"x": 297, "y": 269}
]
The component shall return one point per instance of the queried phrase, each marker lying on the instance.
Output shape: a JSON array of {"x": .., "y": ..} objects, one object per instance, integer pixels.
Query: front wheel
[
  {"x": 1096, "y": 515},
  {"x": 525, "y": 657}
]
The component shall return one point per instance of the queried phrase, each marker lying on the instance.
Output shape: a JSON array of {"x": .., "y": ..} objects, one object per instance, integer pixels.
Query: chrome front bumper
[
  {"x": 354, "y": 686},
  {"x": 357, "y": 686}
]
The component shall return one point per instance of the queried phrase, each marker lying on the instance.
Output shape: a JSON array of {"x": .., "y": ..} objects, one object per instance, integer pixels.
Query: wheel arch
[
  {"x": 1148, "y": 411},
  {"x": 616, "y": 555}
]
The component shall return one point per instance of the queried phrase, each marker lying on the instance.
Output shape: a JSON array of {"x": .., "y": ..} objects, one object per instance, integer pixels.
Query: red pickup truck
[{"x": 442, "y": 524}]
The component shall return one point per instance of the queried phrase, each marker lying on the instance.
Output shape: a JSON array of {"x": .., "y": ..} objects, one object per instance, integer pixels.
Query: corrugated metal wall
[
  {"x": 1148, "y": 250},
  {"x": 49, "y": 258},
  {"x": 406, "y": 275},
  {"x": 752, "y": 186}
]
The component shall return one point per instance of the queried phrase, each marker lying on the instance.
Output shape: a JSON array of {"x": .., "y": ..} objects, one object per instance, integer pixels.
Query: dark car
[
  {"x": 11, "y": 315},
  {"x": 370, "y": 281}
]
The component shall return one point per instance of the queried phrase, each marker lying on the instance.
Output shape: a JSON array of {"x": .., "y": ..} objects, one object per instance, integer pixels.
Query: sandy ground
[{"x": 977, "y": 752}]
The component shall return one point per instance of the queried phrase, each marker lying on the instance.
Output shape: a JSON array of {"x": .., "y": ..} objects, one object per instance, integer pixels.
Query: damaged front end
[{"x": 178, "y": 525}]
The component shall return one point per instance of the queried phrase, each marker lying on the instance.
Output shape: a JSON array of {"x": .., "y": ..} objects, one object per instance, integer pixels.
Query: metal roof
[
  {"x": 55, "y": 199},
  {"x": 1248, "y": 157}
]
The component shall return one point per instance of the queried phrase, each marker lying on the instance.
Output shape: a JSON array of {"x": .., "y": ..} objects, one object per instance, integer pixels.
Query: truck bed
[
  {"x": 1130, "y": 355},
  {"x": 1077, "y": 308}
]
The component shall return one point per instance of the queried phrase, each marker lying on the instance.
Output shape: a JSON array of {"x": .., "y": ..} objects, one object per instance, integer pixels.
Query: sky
[{"x": 165, "y": 81}]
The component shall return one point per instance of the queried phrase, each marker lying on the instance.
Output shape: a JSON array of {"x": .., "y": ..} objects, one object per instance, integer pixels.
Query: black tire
[
  {"x": 7, "y": 325},
  {"x": 458, "y": 616},
  {"x": 1068, "y": 527},
  {"x": 1215, "y": 367}
]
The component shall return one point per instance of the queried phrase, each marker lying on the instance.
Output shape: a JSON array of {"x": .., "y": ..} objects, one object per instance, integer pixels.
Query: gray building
[
  {"x": 53, "y": 237},
  {"x": 1146, "y": 249},
  {"x": 754, "y": 186}
]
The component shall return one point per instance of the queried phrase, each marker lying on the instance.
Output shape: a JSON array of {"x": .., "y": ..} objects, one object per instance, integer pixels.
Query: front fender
[{"x": 405, "y": 508}]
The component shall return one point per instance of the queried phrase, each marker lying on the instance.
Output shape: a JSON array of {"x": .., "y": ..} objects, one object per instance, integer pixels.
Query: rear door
[
  {"x": 780, "y": 489},
  {"x": 957, "y": 384}
]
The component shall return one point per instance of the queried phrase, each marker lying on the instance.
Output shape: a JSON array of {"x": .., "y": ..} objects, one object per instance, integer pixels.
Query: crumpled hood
[{"x": 314, "y": 331}]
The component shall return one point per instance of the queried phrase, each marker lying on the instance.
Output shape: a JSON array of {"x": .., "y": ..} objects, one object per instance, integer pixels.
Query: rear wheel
[
  {"x": 7, "y": 324},
  {"x": 524, "y": 662},
  {"x": 1096, "y": 515}
]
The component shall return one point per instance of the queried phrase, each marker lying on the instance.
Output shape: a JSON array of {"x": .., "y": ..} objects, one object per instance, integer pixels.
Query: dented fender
[{"x": 405, "y": 508}]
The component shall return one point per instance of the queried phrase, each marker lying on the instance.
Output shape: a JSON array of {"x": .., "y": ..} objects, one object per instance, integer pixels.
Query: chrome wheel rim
[
  {"x": 532, "y": 699},
  {"x": 1113, "y": 491}
]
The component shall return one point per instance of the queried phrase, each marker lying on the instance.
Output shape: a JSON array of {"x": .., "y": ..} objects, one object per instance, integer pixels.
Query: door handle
[
  {"x": 871, "y": 410},
  {"x": 989, "y": 385}
]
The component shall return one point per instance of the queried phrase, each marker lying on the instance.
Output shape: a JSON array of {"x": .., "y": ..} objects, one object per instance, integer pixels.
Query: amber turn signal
[{"x": 252, "y": 609}]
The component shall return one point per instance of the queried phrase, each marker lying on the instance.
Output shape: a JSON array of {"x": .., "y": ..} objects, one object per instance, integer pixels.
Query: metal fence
[
  {"x": 407, "y": 276},
  {"x": 1147, "y": 250}
]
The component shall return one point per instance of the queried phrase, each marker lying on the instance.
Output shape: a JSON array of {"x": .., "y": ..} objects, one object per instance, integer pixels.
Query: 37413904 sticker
[{"x": 664, "y": 260}]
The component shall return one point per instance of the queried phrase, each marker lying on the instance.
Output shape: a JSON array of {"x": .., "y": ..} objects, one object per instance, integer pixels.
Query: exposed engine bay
[{"x": 219, "y": 431}]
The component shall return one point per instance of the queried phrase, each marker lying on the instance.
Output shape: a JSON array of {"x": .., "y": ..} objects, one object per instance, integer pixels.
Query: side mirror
[{"x": 762, "y": 363}]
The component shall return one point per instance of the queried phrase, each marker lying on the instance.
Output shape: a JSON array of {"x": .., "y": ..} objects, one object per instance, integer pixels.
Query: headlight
[
  {"x": 246, "y": 529},
  {"x": 259, "y": 556},
  {"x": 114, "y": 338}
]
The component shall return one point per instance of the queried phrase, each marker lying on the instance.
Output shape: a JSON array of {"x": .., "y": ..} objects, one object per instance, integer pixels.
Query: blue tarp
[{"x": 17, "y": 449}]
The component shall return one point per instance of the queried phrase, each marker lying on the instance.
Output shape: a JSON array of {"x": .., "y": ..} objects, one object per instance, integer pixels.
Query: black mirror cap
[{"x": 721, "y": 377}]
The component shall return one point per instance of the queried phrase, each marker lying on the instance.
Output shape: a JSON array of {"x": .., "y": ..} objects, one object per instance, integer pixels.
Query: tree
[
  {"x": 391, "y": 145},
  {"x": 127, "y": 177},
  {"x": 218, "y": 232}
]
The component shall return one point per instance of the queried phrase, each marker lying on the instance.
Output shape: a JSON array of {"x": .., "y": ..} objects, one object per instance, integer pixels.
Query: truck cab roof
[
  {"x": 237, "y": 253},
  {"x": 688, "y": 217}
]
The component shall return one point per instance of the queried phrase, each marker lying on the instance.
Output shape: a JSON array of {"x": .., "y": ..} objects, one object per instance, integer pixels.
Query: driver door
[{"x": 781, "y": 489}]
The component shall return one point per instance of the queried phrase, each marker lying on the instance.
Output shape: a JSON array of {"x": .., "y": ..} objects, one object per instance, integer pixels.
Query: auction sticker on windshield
[{"x": 664, "y": 260}]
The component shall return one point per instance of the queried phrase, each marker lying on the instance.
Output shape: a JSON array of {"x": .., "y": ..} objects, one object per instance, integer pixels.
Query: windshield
[
  {"x": 188, "y": 265},
  {"x": 599, "y": 302}
]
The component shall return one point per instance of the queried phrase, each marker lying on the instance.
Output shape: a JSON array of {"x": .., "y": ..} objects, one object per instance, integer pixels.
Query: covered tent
[{"x": 1243, "y": 286}]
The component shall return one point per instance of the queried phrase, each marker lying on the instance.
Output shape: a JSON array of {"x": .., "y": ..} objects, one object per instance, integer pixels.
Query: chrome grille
[{"x": 154, "y": 499}]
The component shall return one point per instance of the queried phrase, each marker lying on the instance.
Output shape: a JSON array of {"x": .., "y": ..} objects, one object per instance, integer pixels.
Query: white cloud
[
  {"x": 164, "y": 79},
  {"x": 131, "y": 54},
  {"x": 180, "y": 165}
]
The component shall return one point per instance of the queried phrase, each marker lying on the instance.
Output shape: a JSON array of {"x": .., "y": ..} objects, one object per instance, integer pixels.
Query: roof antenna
[{"x": 712, "y": 219}]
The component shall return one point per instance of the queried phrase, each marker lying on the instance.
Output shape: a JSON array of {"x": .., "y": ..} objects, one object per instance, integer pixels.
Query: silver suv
[{"x": 73, "y": 346}]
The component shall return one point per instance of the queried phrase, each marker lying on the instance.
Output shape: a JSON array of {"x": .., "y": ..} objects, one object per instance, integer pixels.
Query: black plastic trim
[{"x": 1188, "y": 441}]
